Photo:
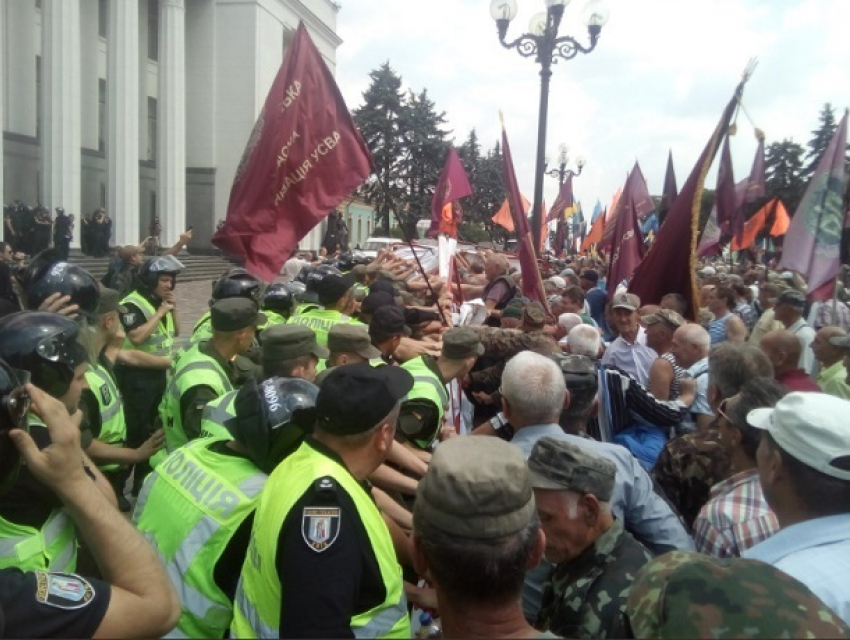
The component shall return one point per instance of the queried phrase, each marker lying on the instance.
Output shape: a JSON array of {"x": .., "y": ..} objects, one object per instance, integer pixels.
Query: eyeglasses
[{"x": 721, "y": 409}]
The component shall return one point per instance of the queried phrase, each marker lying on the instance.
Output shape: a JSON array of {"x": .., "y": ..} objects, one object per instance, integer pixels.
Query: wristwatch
[{"x": 500, "y": 425}]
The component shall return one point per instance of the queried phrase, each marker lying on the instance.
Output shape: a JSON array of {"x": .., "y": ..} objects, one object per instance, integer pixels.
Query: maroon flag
[
  {"x": 641, "y": 201},
  {"x": 670, "y": 264},
  {"x": 670, "y": 191},
  {"x": 628, "y": 247},
  {"x": 812, "y": 244},
  {"x": 563, "y": 201},
  {"x": 304, "y": 157},
  {"x": 726, "y": 201},
  {"x": 532, "y": 283},
  {"x": 756, "y": 181},
  {"x": 452, "y": 185}
]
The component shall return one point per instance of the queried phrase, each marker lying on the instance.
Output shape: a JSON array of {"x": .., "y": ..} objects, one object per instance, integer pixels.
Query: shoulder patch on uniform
[
  {"x": 129, "y": 318},
  {"x": 325, "y": 483},
  {"x": 320, "y": 527},
  {"x": 105, "y": 394},
  {"x": 63, "y": 590}
]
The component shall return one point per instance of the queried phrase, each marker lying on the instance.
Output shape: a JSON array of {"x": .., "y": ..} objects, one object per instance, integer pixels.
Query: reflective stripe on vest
[
  {"x": 321, "y": 321},
  {"x": 113, "y": 429},
  {"x": 427, "y": 386},
  {"x": 194, "y": 368},
  {"x": 216, "y": 413},
  {"x": 259, "y": 594},
  {"x": 53, "y": 548},
  {"x": 160, "y": 342},
  {"x": 210, "y": 493}
]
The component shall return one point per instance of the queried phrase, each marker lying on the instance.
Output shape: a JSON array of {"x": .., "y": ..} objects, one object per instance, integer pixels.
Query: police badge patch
[
  {"x": 320, "y": 527},
  {"x": 129, "y": 318},
  {"x": 63, "y": 590},
  {"x": 105, "y": 394}
]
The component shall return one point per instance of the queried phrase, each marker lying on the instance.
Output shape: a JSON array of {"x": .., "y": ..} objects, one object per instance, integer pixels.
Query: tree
[
  {"x": 820, "y": 139},
  {"x": 379, "y": 121},
  {"x": 784, "y": 173}
]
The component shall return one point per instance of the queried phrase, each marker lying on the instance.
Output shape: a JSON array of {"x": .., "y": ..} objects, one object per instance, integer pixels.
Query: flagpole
[{"x": 410, "y": 244}]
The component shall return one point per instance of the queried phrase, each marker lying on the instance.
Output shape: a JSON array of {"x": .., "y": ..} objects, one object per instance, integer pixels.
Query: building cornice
[{"x": 300, "y": 10}]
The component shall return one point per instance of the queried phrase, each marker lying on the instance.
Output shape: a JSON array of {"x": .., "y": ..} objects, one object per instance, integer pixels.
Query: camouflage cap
[
  {"x": 667, "y": 317},
  {"x": 512, "y": 312},
  {"x": 460, "y": 343},
  {"x": 351, "y": 338},
  {"x": 534, "y": 315},
  {"x": 555, "y": 464},
  {"x": 690, "y": 595}
]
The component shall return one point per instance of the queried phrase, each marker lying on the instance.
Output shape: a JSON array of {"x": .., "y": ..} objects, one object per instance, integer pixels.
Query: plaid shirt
[{"x": 736, "y": 517}]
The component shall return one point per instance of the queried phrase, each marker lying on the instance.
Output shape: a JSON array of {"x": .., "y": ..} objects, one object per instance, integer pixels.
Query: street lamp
[
  {"x": 543, "y": 43},
  {"x": 561, "y": 172}
]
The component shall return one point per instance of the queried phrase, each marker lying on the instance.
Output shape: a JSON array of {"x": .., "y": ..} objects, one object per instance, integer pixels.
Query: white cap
[
  {"x": 811, "y": 427},
  {"x": 707, "y": 271},
  {"x": 558, "y": 281},
  {"x": 568, "y": 272}
]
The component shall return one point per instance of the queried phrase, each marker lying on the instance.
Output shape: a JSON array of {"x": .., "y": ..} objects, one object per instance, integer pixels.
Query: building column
[
  {"x": 61, "y": 106},
  {"x": 2, "y": 102},
  {"x": 122, "y": 143},
  {"x": 19, "y": 69},
  {"x": 171, "y": 121}
]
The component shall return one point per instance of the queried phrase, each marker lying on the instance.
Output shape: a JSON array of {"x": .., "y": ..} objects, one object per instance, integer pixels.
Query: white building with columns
[{"x": 141, "y": 106}]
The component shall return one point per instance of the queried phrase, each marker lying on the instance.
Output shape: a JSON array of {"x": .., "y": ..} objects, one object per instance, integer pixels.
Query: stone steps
[{"x": 199, "y": 268}]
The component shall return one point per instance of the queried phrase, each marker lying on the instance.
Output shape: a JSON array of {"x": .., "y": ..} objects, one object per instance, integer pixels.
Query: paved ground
[{"x": 193, "y": 300}]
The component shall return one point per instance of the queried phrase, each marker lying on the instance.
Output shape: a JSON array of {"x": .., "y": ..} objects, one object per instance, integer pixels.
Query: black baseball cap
[
  {"x": 356, "y": 397},
  {"x": 388, "y": 322},
  {"x": 375, "y": 300},
  {"x": 332, "y": 287}
]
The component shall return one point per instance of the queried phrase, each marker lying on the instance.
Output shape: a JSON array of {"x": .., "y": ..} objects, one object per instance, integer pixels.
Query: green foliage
[
  {"x": 485, "y": 176},
  {"x": 820, "y": 139},
  {"x": 784, "y": 173}
]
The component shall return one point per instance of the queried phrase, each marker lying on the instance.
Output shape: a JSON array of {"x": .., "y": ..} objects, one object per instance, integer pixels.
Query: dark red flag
[
  {"x": 642, "y": 203},
  {"x": 726, "y": 200},
  {"x": 304, "y": 157},
  {"x": 627, "y": 241},
  {"x": 670, "y": 264},
  {"x": 756, "y": 181},
  {"x": 532, "y": 283},
  {"x": 452, "y": 185},
  {"x": 563, "y": 201},
  {"x": 668, "y": 197}
]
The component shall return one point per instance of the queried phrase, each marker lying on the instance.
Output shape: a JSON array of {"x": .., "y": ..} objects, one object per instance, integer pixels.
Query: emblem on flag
[{"x": 320, "y": 527}]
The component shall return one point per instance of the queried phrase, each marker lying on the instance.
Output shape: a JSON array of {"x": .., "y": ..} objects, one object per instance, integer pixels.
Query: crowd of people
[{"x": 336, "y": 454}]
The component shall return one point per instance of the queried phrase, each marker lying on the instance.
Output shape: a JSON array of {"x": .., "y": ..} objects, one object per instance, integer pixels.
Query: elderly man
[
  {"x": 783, "y": 349},
  {"x": 476, "y": 556},
  {"x": 595, "y": 557},
  {"x": 534, "y": 393},
  {"x": 768, "y": 293},
  {"x": 804, "y": 467},
  {"x": 665, "y": 373},
  {"x": 690, "y": 348},
  {"x": 629, "y": 351},
  {"x": 789, "y": 311},
  {"x": 500, "y": 287},
  {"x": 726, "y": 326},
  {"x": 832, "y": 378}
]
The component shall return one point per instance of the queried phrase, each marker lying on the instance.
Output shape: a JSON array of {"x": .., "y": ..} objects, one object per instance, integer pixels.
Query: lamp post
[
  {"x": 561, "y": 172},
  {"x": 547, "y": 47}
]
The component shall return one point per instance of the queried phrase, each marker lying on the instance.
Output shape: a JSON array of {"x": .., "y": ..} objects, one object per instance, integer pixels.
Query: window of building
[
  {"x": 103, "y": 194},
  {"x": 103, "y": 19},
  {"x": 153, "y": 30},
  {"x": 152, "y": 129},
  {"x": 102, "y": 115}
]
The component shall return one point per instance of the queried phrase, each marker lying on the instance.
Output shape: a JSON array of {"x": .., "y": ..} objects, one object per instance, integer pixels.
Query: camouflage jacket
[
  {"x": 688, "y": 467},
  {"x": 586, "y": 597},
  {"x": 504, "y": 344}
]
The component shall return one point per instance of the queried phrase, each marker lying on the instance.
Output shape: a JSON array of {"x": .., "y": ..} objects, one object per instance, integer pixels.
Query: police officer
[
  {"x": 197, "y": 507},
  {"x": 277, "y": 303},
  {"x": 206, "y": 371},
  {"x": 234, "y": 283},
  {"x": 151, "y": 326},
  {"x": 288, "y": 351},
  {"x": 52, "y": 285},
  {"x": 104, "y": 425},
  {"x": 134, "y": 598},
  {"x": 337, "y": 305},
  {"x": 35, "y": 532},
  {"x": 422, "y": 411},
  {"x": 321, "y": 561},
  {"x": 349, "y": 344},
  {"x": 387, "y": 328}
]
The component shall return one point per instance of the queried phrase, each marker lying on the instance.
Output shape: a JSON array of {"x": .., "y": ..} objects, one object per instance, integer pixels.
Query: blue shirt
[
  {"x": 643, "y": 512},
  {"x": 596, "y": 299},
  {"x": 817, "y": 553},
  {"x": 634, "y": 358}
]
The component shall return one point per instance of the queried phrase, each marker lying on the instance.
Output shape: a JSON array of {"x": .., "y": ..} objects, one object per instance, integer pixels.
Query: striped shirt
[
  {"x": 678, "y": 374},
  {"x": 747, "y": 314},
  {"x": 717, "y": 330},
  {"x": 735, "y": 518}
]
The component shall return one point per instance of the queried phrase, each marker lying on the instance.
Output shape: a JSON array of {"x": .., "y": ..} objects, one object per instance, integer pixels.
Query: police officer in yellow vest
[
  {"x": 277, "y": 303},
  {"x": 35, "y": 532},
  {"x": 349, "y": 344},
  {"x": 236, "y": 282},
  {"x": 206, "y": 371},
  {"x": 321, "y": 561},
  {"x": 151, "y": 326},
  {"x": 197, "y": 507},
  {"x": 337, "y": 305},
  {"x": 423, "y": 410},
  {"x": 103, "y": 426}
]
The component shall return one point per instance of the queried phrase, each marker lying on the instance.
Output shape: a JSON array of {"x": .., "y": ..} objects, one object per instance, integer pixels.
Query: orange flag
[
  {"x": 503, "y": 215},
  {"x": 781, "y": 221},
  {"x": 595, "y": 234},
  {"x": 751, "y": 229}
]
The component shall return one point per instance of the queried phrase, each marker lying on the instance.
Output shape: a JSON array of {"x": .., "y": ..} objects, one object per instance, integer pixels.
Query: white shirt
[
  {"x": 634, "y": 358},
  {"x": 293, "y": 267},
  {"x": 805, "y": 334}
]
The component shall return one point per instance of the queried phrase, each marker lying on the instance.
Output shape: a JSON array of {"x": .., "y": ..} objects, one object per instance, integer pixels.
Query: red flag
[
  {"x": 563, "y": 201},
  {"x": 813, "y": 243},
  {"x": 452, "y": 185},
  {"x": 304, "y": 157},
  {"x": 781, "y": 221},
  {"x": 670, "y": 264},
  {"x": 752, "y": 228},
  {"x": 756, "y": 181},
  {"x": 726, "y": 201},
  {"x": 642, "y": 203},
  {"x": 670, "y": 191},
  {"x": 532, "y": 283},
  {"x": 627, "y": 240}
]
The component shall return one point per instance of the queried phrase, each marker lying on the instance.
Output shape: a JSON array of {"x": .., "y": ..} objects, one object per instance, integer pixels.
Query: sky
[{"x": 658, "y": 80}]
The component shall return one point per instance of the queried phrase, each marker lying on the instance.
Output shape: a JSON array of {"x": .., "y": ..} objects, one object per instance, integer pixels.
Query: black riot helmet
[
  {"x": 297, "y": 289},
  {"x": 47, "y": 345},
  {"x": 236, "y": 283},
  {"x": 153, "y": 268},
  {"x": 302, "y": 275},
  {"x": 14, "y": 406},
  {"x": 272, "y": 418},
  {"x": 47, "y": 275},
  {"x": 279, "y": 298},
  {"x": 316, "y": 275},
  {"x": 345, "y": 262}
]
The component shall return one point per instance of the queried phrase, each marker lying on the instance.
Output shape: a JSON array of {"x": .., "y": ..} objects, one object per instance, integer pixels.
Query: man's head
[
  {"x": 789, "y": 307},
  {"x": 624, "y": 308},
  {"x": 572, "y": 488},
  {"x": 350, "y": 344},
  {"x": 461, "y": 348},
  {"x": 108, "y": 308},
  {"x": 290, "y": 351},
  {"x": 675, "y": 302},
  {"x": 843, "y": 343},
  {"x": 768, "y": 293},
  {"x": 739, "y": 438},
  {"x": 533, "y": 390},
  {"x": 496, "y": 265},
  {"x": 582, "y": 382},
  {"x": 705, "y": 292},
  {"x": 731, "y": 365},
  {"x": 387, "y": 328},
  {"x": 584, "y": 340},
  {"x": 783, "y": 349},
  {"x": 573, "y": 299},
  {"x": 533, "y": 317},
  {"x": 660, "y": 327},
  {"x": 803, "y": 457},
  {"x": 6, "y": 252},
  {"x": 511, "y": 317},
  {"x": 721, "y": 301},
  {"x": 234, "y": 323},
  {"x": 690, "y": 344},
  {"x": 825, "y": 351},
  {"x": 475, "y": 530},
  {"x": 589, "y": 280}
]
